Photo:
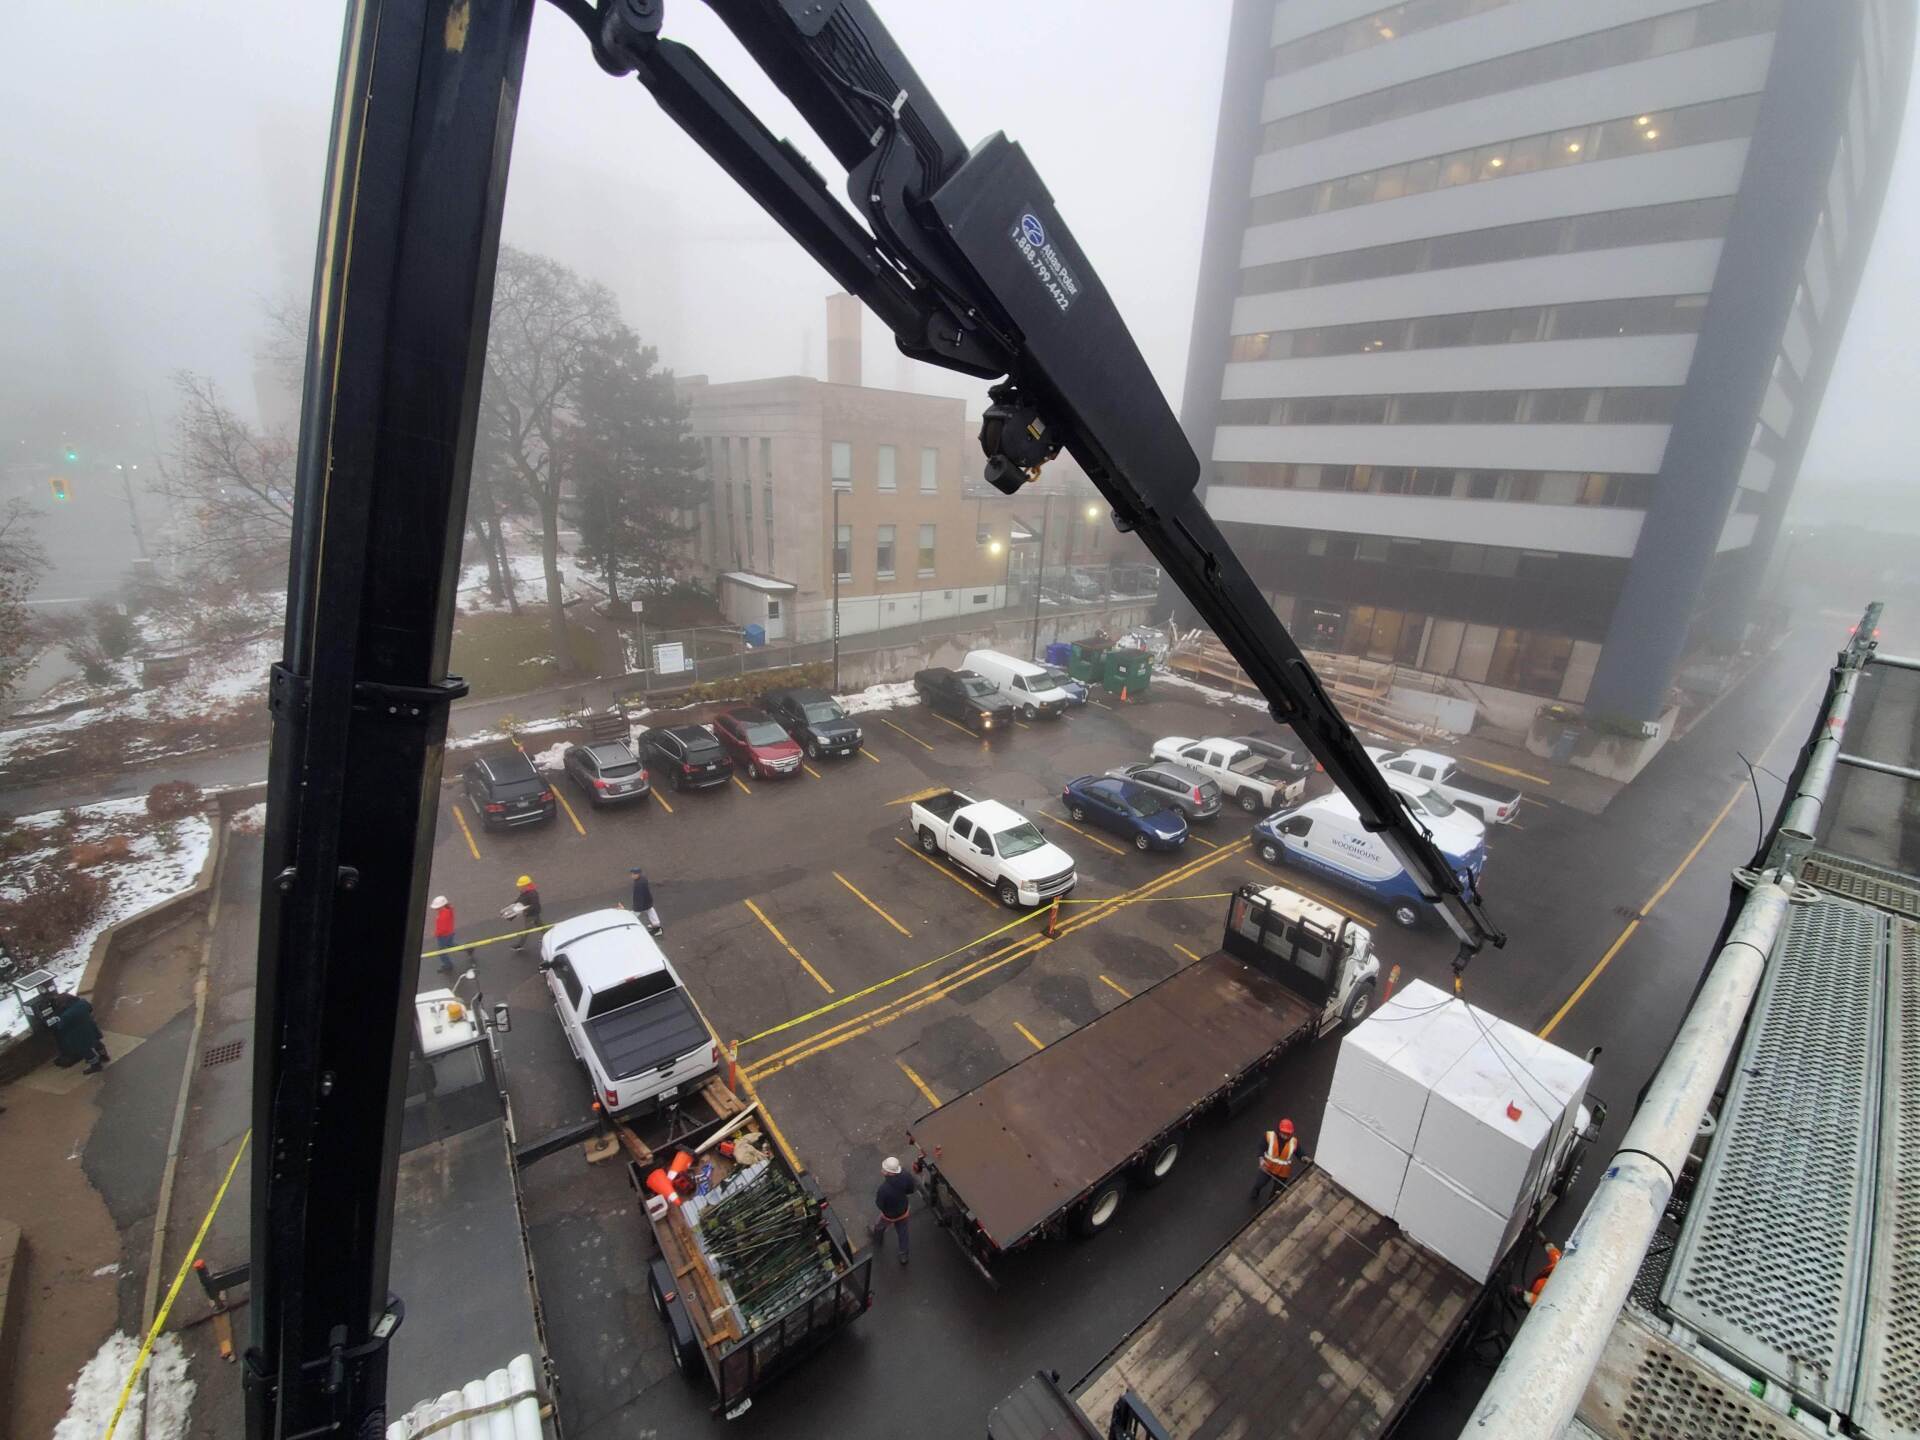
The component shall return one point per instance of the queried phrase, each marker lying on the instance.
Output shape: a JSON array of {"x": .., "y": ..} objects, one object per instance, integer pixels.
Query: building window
[
  {"x": 883, "y": 467},
  {"x": 746, "y": 503},
  {"x": 1395, "y": 22},
  {"x": 1608, "y": 140},
  {"x": 843, "y": 551},
  {"x": 766, "y": 462},
  {"x": 1580, "y": 320},
  {"x": 883, "y": 552},
  {"x": 926, "y": 550},
  {"x": 929, "y": 470},
  {"x": 1627, "y": 405},
  {"x": 842, "y": 463}
]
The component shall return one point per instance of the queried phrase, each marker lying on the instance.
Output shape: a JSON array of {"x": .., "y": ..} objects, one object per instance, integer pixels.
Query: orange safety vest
[
  {"x": 1540, "y": 1280},
  {"x": 1278, "y": 1161}
]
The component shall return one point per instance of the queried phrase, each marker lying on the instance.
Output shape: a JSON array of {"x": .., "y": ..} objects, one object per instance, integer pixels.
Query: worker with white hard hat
[{"x": 894, "y": 1200}]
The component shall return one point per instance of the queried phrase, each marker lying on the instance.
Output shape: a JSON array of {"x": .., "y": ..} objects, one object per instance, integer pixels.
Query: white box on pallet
[
  {"x": 1390, "y": 1061},
  {"x": 1442, "y": 1217},
  {"x": 1364, "y": 1161}
]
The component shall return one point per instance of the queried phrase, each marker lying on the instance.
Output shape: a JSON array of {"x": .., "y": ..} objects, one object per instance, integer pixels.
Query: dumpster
[
  {"x": 1127, "y": 672},
  {"x": 1087, "y": 663},
  {"x": 1059, "y": 653}
]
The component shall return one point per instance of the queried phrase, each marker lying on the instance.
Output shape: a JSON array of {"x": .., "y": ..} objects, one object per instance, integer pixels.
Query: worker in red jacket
[
  {"x": 1276, "y": 1162},
  {"x": 443, "y": 928}
]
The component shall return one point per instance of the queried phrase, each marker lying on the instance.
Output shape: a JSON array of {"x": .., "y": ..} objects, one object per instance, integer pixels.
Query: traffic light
[
  {"x": 72, "y": 455},
  {"x": 59, "y": 484}
]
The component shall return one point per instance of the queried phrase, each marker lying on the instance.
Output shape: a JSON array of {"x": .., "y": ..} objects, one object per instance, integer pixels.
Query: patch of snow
[
  {"x": 1214, "y": 696},
  {"x": 501, "y": 737},
  {"x": 250, "y": 821},
  {"x": 552, "y": 757},
  {"x": 113, "y": 1269},
  {"x": 96, "y": 1392},
  {"x": 879, "y": 697}
]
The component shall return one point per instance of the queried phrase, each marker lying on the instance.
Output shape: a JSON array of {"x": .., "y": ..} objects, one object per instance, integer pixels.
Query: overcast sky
[{"x": 159, "y": 187}]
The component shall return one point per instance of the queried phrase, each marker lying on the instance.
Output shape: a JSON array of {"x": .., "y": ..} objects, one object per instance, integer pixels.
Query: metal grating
[
  {"x": 1869, "y": 884},
  {"x": 1887, "y": 1401},
  {"x": 1647, "y": 1388},
  {"x": 1652, "y": 1273},
  {"x": 220, "y": 1054},
  {"x": 1770, "y": 1265}
]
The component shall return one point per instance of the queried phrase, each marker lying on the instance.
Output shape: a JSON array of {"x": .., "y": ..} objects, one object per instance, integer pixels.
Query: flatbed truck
[{"x": 1055, "y": 1141}]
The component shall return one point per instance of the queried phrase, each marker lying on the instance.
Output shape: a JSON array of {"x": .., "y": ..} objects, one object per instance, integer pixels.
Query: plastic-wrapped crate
[
  {"x": 1367, "y": 1164},
  {"x": 1390, "y": 1061}
]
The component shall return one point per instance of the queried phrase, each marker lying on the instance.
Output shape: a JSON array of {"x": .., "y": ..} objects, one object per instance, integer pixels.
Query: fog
[{"x": 163, "y": 179}]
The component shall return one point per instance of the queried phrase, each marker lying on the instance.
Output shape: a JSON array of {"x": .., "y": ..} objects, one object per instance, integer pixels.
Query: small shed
[{"x": 750, "y": 599}]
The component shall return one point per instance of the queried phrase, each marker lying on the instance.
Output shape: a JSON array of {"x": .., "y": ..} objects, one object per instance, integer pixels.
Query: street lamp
[{"x": 833, "y": 559}]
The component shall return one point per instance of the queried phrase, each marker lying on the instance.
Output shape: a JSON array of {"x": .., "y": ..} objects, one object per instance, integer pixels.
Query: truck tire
[
  {"x": 1358, "y": 1004},
  {"x": 1269, "y": 852},
  {"x": 1160, "y": 1162},
  {"x": 1405, "y": 916},
  {"x": 927, "y": 842},
  {"x": 1009, "y": 895},
  {"x": 1097, "y": 1214},
  {"x": 1030, "y": 712},
  {"x": 1249, "y": 801}
]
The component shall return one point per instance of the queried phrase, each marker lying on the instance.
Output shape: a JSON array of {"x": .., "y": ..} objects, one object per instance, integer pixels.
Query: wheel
[
  {"x": 1009, "y": 895},
  {"x": 1031, "y": 713},
  {"x": 1097, "y": 1214},
  {"x": 1077, "y": 811},
  {"x": 1157, "y": 1166},
  {"x": 1358, "y": 1004},
  {"x": 813, "y": 749},
  {"x": 1249, "y": 801},
  {"x": 1269, "y": 852},
  {"x": 927, "y": 842},
  {"x": 1140, "y": 842},
  {"x": 1405, "y": 915}
]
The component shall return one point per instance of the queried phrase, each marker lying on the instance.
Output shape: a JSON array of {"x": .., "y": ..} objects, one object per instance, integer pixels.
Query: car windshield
[
  {"x": 1058, "y": 678},
  {"x": 1145, "y": 804},
  {"x": 1019, "y": 839},
  {"x": 820, "y": 714},
  {"x": 978, "y": 687},
  {"x": 762, "y": 732},
  {"x": 1432, "y": 802}
]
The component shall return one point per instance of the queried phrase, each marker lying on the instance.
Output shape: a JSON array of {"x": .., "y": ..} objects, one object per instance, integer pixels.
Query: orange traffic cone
[
  {"x": 1123, "y": 694},
  {"x": 1053, "y": 918},
  {"x": 1393, "y": 979}
]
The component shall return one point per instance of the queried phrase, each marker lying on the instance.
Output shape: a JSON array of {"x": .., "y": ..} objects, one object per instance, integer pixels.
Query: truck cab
[
  {"x": 1313, "y": 949},
  {"x": 626, "y": 1016}
]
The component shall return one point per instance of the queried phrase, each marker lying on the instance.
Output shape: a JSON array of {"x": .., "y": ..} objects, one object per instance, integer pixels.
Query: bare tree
[
  {"x": 22, "y": 562},
  {"x": 231, "y": 488},
  {"x": 544, "y": 319}
]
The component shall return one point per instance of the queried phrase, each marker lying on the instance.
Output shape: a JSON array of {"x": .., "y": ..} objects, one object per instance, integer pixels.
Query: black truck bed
[
  {"x": 1318, "y": 1319},
  {"x": 1031, "y": 1141},
  {"x": 648, "y": 1034}
]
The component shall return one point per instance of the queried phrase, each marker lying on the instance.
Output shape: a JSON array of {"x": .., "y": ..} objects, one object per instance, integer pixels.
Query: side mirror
[
  {"x": 502, "y": 1020},
  {"x": 543, "y": 966}
]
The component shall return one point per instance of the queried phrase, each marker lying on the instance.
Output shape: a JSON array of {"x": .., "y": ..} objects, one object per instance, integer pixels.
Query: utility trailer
[
  {"x": 1055, "y": 1141},
  {"x": 714, "y": 1326}
]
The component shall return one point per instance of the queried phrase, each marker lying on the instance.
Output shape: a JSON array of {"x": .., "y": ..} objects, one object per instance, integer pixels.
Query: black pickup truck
[{"x": 964, "y": 697}]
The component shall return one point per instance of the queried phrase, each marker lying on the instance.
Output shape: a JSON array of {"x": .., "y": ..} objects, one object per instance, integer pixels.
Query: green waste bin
[
  {"x": 1087, "y": 664},
  {"x": 1127, "y": 672}
]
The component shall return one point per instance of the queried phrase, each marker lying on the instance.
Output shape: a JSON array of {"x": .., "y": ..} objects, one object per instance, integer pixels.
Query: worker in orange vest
[
  {"x": 1532, "y": 1294},
  {"x": 1276, "y": 1162}
]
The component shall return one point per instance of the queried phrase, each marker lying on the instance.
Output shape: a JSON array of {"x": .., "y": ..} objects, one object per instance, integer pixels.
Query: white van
[
  {"x": 1026, "y": 684},
  {"x": 1326, "y": 835}
]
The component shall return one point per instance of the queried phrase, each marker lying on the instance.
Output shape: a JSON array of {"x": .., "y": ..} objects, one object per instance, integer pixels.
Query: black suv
[
  {"x": 688, "y": 755},
  {"x": 965, "y": 696},
  {"x": 607, "y": 772},
  {"x": 505, "y": 789},
  {"x": 815, "y": 719}
]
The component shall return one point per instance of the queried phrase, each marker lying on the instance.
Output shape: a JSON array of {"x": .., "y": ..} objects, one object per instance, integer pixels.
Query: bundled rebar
[{"x": 764, "y": 1239}]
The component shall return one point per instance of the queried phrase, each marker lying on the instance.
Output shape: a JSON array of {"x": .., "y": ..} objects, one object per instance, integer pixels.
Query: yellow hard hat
[{"x": 524, "y": 881}]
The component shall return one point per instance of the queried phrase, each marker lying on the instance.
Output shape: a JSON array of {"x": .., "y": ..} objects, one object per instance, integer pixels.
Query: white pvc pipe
[{"x": 1539, "y": 1384}]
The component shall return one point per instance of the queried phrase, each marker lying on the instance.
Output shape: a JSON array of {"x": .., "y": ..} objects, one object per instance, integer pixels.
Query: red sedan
[{"x": 757, "y": 743}]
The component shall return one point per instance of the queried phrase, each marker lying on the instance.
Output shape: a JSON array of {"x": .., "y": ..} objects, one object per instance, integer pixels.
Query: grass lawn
[{"x": 500, "y": 654}]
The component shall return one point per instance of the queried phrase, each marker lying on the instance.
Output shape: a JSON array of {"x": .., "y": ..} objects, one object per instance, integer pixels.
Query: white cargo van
[
  {"x": 1325, "y": 834},
  {"x": 1026, "y": 684}
]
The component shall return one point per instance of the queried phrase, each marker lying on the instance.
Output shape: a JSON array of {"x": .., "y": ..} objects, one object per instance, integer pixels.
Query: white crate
[
  {"x": 1440, "y": 1216},
  {"x": 1389, "y": 1062},
  {"x": 1363, "y": 1161}
]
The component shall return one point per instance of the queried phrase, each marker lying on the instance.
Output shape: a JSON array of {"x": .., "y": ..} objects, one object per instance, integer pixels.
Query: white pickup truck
[
  {"x": 626, "y": 1016},
  {"x": 1253, "y": 781},
  {"x": 995, "y": 844},
  {"x": 1494, "y": 804}
]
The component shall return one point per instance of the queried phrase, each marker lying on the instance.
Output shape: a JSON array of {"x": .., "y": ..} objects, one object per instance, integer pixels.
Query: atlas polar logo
[{"x": 1036, "y": 234}]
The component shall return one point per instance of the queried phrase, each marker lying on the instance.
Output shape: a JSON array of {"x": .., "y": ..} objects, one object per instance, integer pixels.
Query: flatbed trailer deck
[{"x": 1011, "y": 1159}]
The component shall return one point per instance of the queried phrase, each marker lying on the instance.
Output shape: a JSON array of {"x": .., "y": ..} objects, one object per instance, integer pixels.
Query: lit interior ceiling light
[
  {"x": 1496, "y": 162},
  {"x": 1643, "y": 120},
  {"x": 1573, "y": 147},
  {"x": 1653, "y": 134}
]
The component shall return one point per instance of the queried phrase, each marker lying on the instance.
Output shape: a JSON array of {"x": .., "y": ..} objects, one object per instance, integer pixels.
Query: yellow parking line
[
  {"x": 1023, "y": 725},
  {"x": 787, "y": 945},
  {"x": 918, "y": 1084},
  {"x": 1111, "y": 849},
  {"x": 871, "y": 906},
  {"x": 906, "y": 732},
  {"x": 1104, "y": 706},
  {"x": 464, "y": 830},
  {"x": 1031, "y": 1038},
  {"x": 1115, "y": 984},
  {"x": 662, "y": 799},
  {"x": 810, "y": 770},
  {"x": 1202, "y": 840},
  {"x": 742, "y": 784},
  {"x": 870, "y": 755},
  {"x": 1186, "y": 952},
  {"x": 965, "y": 885},
  {"x": 956, "y": 725},
  {"x": 555, "y": 787}
]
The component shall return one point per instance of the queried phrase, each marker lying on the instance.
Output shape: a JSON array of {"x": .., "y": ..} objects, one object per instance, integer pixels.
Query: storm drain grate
[
  {"x": 1646, "y": 1388},
  {"x": 1771, "y": 1262},
  {"x": 220, "y": 1054},
  {"x": 1888, "y": 1398},
  {"x": 1869, "y": 884}
]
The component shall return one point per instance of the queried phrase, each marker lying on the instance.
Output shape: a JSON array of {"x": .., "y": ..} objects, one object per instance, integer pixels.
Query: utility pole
[
  {"x": 133, "y": 514},
  {"x": 1040, "y": 575}
]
